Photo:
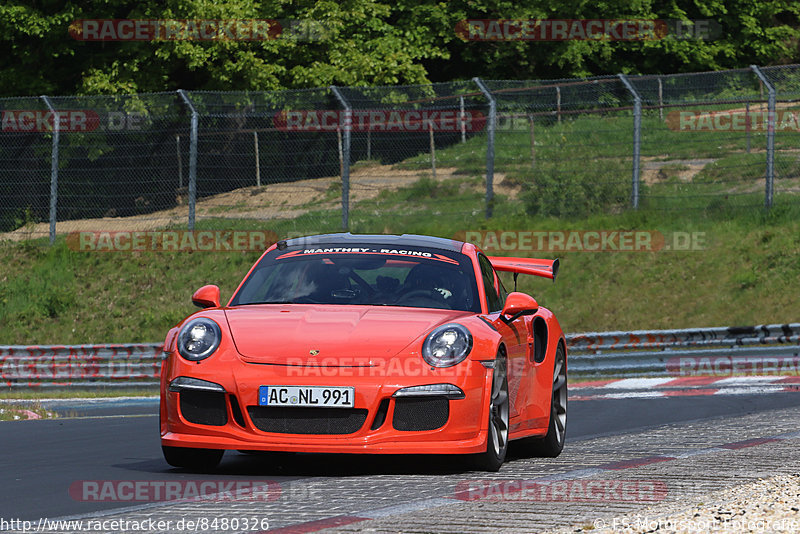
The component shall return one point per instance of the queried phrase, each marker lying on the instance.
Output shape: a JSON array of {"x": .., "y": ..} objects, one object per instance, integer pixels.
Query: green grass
[
  {"x": 75, "y": 392},
  {"x": 583, "y": 165},
  {"x": 747, "y": 273},
  {"x": 590, "y": 138}
]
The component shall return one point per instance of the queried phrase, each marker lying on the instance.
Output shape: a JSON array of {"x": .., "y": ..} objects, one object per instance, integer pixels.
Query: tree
[{"x": 367, "y": 42}]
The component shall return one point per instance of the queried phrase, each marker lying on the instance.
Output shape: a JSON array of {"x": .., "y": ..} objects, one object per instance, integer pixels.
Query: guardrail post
[
  {"x": 771, "y": 97},
  {"x": 192, "y": 159},
  {"x": 637, "y": 138},
  {"x": 490, "y": 128},
  {"x": 347, "y": 126},
  {"x": 53, "y": 169}
]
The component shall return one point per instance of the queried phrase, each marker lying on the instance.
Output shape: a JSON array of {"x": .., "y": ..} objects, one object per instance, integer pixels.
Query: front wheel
[
  {"x": 194, "y": 459},
  {"x": 497, "y": 439}
]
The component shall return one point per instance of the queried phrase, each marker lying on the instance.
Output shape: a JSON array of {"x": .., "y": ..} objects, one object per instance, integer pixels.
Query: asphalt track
[{"x": 42, "y": 458}]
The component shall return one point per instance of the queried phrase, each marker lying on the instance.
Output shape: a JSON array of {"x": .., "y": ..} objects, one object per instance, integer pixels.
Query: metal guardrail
[
  {"x": 721, "y": 351},
  {"x": 724, "y": 351},
  {"x": 124, "y": 364}
]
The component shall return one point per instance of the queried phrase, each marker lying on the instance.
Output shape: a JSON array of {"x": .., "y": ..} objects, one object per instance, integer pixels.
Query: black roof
[{"x": 405, "y": 240}]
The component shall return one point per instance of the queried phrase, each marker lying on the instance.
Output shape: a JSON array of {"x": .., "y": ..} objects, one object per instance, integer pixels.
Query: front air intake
[
  {"x": 203, "y": 407},
  {"x": 284, "y": 420},
  {"x": 420, "y": 413}
]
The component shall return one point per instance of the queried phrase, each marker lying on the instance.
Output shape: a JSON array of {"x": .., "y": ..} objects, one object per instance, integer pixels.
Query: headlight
[
  {"x": 447, "y": 345},
  {"x": 198, "y": 339}
]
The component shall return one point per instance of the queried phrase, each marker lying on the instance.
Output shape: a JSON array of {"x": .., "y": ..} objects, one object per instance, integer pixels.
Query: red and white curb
[
  {"x": 23, "y": 414},
  {"x": 628, "y": 388}
]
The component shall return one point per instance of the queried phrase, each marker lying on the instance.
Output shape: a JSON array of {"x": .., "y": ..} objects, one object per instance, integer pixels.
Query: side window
[
  {"x": 490, "y": 282},
  {"x": 501, "y": 289}
]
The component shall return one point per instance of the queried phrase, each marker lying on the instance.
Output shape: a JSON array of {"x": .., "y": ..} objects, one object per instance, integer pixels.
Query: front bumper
[{"x": 378, "y": 423}]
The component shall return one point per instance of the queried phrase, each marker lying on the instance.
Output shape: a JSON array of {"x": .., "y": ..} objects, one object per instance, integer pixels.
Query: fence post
[
  {"x": 180, "y": 162},
  {"x": 533, "y": 140},
  {"x": 258, "y": 161},
  {"x": 490, "y": 127},
  {"x": 53, "y": 169},
  {"x": 747, "y": 125},
  {"x": 768, "y": 189},
  {"x": 461, "y": 120},
  {"x": 192, "y": 159},
  {"x": 433, "y": 149},
  {"x": 558, "y": 103},
  {"x": 637, "y": 138},
  {"x": 339, "y": 147},
  {"x": 347, "y": 126}
]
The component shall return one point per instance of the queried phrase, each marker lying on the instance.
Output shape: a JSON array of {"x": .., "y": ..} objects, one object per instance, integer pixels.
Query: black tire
[
  {"x": 552, "y": 443},
  {"x": 194, "y": 459},
  {"x": 497, "y": 439}
]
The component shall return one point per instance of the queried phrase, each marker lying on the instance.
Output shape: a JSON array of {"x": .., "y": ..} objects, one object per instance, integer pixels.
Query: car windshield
[{"x": 370, "y": 275}]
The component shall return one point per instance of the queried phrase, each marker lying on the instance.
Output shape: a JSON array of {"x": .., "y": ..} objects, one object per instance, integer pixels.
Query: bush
[
  {"x": 426, "y": 187},
  {"x": 570, "y": 188}
]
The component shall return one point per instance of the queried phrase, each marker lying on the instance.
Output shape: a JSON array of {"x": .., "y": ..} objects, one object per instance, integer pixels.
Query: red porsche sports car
[{"x": 347, "y": 343}]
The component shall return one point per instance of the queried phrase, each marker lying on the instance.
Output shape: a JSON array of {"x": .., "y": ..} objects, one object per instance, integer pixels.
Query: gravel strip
[
  {"x": 768, "y": 505},
  {"x": 710, "y": 458},
  {"x": 659, "y": 472}
]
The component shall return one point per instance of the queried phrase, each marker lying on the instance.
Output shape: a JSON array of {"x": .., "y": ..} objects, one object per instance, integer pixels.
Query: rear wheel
[
  {"x": 552, "y": 443},
  {"x": 497, "y": 439},
  {"x": 195, "y": 459}
]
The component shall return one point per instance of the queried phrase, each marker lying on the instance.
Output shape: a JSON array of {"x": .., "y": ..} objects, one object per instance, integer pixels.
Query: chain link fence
[{"x": 343, "y": 157}]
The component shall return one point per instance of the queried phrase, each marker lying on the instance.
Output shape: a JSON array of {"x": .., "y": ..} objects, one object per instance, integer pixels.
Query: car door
[{"x": 515, "y": 338}]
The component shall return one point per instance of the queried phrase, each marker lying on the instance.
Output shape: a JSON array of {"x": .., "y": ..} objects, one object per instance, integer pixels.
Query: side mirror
[
  {"x": 206, "y": 297},
  {"x": 519, "y": 304}
]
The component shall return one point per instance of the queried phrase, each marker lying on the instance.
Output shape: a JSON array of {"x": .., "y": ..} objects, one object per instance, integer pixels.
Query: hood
[{"x": 352, "y": 335}]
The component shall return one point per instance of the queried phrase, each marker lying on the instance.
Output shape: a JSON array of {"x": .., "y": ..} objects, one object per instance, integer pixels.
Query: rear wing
[{"x": 534, "y": 266}]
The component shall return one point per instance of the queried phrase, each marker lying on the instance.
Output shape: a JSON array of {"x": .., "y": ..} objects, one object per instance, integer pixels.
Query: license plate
[{"x": 306, "y": 396}]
